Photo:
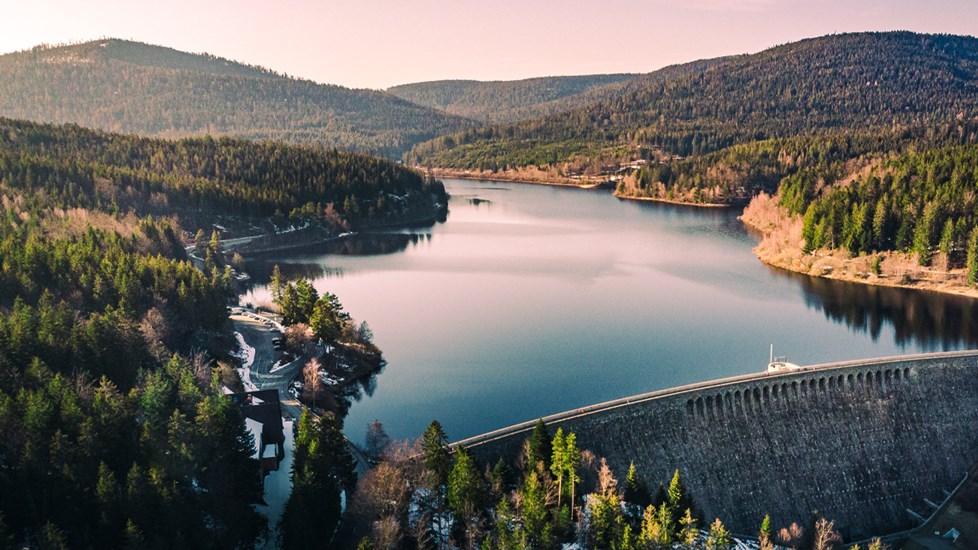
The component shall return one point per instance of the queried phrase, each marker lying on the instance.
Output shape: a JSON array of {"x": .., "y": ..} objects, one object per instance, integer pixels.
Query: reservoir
[{"x": 531, "y": 300}]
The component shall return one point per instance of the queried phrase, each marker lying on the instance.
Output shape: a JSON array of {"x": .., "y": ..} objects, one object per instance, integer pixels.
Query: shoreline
[
  {"x": 780, "y": 247},
  {"x": 673, "y": 202},
  {"x": 426, "y": 220},
  {"x": 503, "y": 178}
]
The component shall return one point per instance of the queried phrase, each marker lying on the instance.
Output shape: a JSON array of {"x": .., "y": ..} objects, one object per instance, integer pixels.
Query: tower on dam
[{"x": 866, "y": 443}]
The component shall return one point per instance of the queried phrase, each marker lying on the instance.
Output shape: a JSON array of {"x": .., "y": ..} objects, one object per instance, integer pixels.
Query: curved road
[{"x": 260, "y": 337}]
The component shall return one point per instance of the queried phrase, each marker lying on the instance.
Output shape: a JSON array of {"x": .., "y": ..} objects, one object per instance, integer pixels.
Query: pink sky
[{"x": 379, "y": 43}]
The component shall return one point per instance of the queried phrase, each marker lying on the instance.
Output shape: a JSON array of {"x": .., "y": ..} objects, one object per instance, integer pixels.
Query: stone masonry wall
[{"x": 859, "y": 442}]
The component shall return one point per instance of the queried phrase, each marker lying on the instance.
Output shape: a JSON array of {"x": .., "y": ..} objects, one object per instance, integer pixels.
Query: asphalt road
[{"x": 260, "y": 337}]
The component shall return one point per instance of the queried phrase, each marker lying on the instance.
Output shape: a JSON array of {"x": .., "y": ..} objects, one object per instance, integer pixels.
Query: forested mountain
[
  {"x": 511, "y": 101},
  {"x": 126, "y": 86},
  {"x": 807, "y": 162},
  {"x": 71, "y": 167},
  {"x": 113, "y": 429},
  {"x": 860, "y": 80}
]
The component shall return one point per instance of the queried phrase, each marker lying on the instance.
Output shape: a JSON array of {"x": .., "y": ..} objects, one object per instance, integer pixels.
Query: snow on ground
[
  {"x": 246, "y": 354},
  {"x": 280, "y": 365}
]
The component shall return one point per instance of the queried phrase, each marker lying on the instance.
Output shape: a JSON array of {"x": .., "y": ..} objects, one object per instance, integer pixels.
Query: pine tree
[
  {"x": 200, "y": 242},
  {"x": 276, "y": 283},
  {"x": 764, "y": 534},
  {"x": 572, "y": 458},
  {"x": 719, "y": 537},
  {"x": 649, "y": 532},
  {"x": 635, "y": 491},
  {"x": 880, "y": 219},
  {"x": 675, "y": 493},
  {"x": 214, "y": 245},
  {"x": 540, "y": 446},
  {"x": 627, "y": 539},
  {"x": 666, "y": 527},
  {"x": 558, "y": 461},
  {"x": 536, "y": 518},
  {"x": 972, "y": 260},
  {"x": 925, "y": 233},
  {"x": 464, "y": 485},
  {"x": 947, "y": 239},
  {"x": 434, "y": 447},
  {"x": 689, "y": 530}
]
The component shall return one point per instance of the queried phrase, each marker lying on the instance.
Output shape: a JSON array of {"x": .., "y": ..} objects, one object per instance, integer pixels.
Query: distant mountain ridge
[
  {"x": 125, "y": 86},
  {"x": 512, "y": 100},
  {"x": 828, "y": 83}
]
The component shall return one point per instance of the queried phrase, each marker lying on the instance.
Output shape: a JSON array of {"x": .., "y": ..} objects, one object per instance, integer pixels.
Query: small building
[{"x": 263, "y": 417}]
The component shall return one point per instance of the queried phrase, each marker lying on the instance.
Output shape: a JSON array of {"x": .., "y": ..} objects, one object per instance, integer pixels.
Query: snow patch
[{"x": 245, "y": 354}]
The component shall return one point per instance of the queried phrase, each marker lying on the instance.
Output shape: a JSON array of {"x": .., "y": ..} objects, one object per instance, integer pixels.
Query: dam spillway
[{"x": 861, "y": 442}]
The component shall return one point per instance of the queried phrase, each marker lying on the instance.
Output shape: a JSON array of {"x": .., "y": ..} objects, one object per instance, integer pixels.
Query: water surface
[{"x": 531, "y": 300}]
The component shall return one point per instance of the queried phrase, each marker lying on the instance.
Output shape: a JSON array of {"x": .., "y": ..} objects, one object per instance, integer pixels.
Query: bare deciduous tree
[
  {"x": 312, "y": 383},
  {"x": 826, "y": 536},
  {"x": 386, "y": 533},
  {"x": 298, "y": 338},
  {"x": 791, "y": 536},
  {"x": 607, "y": 484},
  {"x": 382, "y": 491}
]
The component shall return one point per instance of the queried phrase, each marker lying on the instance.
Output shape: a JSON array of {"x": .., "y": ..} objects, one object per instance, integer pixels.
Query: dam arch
[{"x": 861, "y": 442}]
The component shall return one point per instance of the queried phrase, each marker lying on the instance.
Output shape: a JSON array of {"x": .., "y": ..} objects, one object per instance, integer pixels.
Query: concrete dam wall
[{"x": 860, "y": 442}]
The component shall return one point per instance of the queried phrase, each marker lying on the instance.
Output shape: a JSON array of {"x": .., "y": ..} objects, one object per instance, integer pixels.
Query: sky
[{"x": 380, "y": 43}]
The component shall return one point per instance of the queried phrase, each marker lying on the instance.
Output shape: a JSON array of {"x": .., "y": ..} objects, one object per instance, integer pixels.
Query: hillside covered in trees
[
  {"x": 70, "y": 167},
  {"x": 125, "y": 86},
  {"x": 734, "y": 174},
  {"x": 113, "y": 347},
  {"x": 113, "y": 432},
  {"x": 860, "y": 80},
  {"x": 511, "y": 101},
  {"x": 922, "y": 201}
]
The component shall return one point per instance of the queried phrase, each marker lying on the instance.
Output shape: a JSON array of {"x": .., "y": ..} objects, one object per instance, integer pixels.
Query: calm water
[{"x": 531, "y": 300}]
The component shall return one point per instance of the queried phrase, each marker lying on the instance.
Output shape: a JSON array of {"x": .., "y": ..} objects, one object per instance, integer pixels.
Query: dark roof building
[{"x": 263, "y": 417}]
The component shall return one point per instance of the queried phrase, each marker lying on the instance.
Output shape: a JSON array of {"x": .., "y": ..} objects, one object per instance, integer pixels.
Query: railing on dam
[{"x": 719, "y": 384}]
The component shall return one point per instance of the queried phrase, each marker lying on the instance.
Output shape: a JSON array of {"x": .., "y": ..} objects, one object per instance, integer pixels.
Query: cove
[{"x": 531, "y": 300}]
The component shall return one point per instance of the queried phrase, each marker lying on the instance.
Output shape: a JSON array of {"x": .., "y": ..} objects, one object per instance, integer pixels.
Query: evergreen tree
[
  {"x": 675, "y": 493},
  {"x": 324, "y": 321},
  {"x": 559, "y": 461},
  {"x": 635, "y": 490},
  {"x": 972, "y": 258},
  {"x": 536, "y": 518},
  {"x": 925, "y": 233},
  {"x": 764, "y": 535},
  {"x": 322, "y": 467},
  {"x": 434, "y": 447},
  {"x": 276, "y": 283},
  {"x": 540, "y": 446},
  {"x": 464, "y": 485},
  {"x": 718, "y": 537},
  {"x": 689, "y": 531}
]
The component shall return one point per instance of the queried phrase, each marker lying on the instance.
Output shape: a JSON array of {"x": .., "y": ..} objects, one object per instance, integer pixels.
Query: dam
[{"x": 871, "y": 444}]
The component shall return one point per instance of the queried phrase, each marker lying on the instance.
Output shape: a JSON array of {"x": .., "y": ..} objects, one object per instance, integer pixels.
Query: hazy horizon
[{"x": 352, "y": 43}]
